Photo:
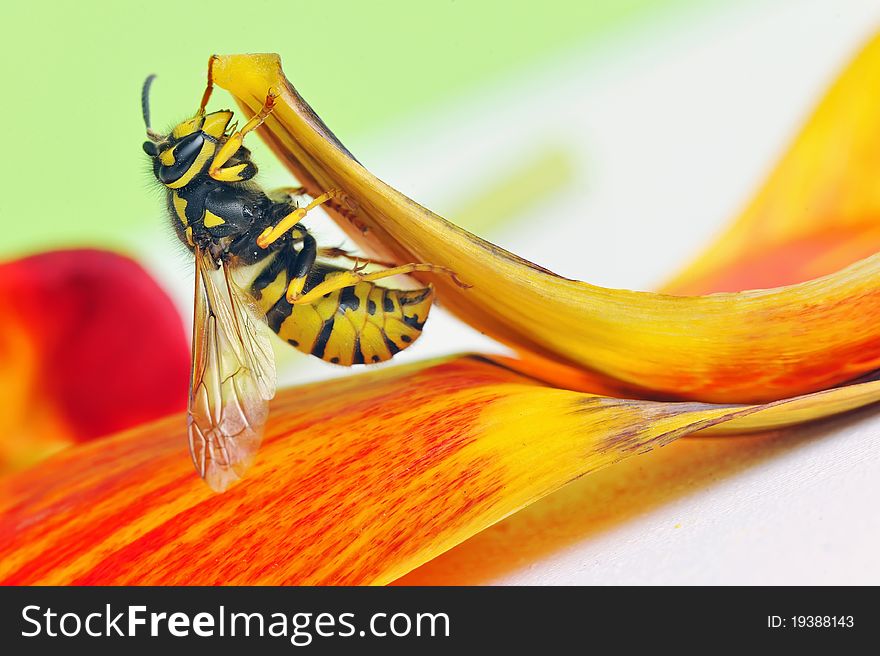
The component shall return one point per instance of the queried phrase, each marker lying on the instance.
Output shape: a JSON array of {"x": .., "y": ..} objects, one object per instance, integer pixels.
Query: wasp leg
[
  {"x": 333, "y": 252},
  {"x": 350, "y": 278},
  {"x": 244, "y": 249},
  {"x": 234, "y": 142},
  {"x": 274, "y": 233},
  {"x": 206, "y": 96},
  {"x": 298, "y": 265},
  {"x": 338, "y": 202},
  {"x": 302, "y": 266},
  {"x": 286, "y": 194}
]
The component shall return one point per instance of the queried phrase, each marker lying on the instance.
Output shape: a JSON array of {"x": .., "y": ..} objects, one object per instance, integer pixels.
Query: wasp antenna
[{"x": 145, "y": 101}]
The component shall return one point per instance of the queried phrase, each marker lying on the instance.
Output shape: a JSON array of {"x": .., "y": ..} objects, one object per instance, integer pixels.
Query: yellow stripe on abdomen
[{"x": 361, "y": 324}]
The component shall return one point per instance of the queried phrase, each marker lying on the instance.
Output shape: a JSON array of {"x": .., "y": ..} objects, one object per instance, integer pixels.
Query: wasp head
[{"x": 187, "y": 150}]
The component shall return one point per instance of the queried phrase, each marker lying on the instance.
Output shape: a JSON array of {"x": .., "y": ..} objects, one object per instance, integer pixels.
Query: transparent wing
[{"x": 233, "y": 377}]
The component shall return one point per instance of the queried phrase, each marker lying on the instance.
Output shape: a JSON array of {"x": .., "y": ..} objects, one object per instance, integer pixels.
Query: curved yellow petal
[
  {"x": 818, "y": 211},
  {"x": 359, "y": 480},
  {"x": 747, "y": 347}
]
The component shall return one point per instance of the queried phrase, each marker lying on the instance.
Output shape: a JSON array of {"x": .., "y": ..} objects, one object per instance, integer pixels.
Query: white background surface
[{"x": 669, "y": 132}]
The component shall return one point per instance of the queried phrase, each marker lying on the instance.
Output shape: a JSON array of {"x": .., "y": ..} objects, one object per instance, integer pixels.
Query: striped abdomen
[{"x": 355, "y": 325}]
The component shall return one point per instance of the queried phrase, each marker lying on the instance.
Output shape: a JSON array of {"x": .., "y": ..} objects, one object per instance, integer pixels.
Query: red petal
[{"x": 111, "y": 347}]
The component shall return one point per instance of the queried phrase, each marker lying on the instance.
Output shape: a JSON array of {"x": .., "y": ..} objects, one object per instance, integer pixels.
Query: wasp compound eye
[
  {"x": 151, "y": 149},
  {"x": 185, "y": 154}
]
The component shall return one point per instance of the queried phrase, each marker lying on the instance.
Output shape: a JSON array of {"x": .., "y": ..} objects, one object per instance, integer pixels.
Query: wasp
[{"x": 257, "y": 264}]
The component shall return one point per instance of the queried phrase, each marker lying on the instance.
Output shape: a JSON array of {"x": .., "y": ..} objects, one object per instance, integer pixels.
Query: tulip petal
[
  {"x": 89, "y": 345},
  {"x": 359, "y": 480},
  {"x": 814, "y": 215},
  {"x": 746, "y": 347},
  {"x": 818, "y": 210}
]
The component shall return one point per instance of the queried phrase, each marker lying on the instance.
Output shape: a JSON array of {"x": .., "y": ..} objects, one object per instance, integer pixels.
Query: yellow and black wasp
[{"x": 256, "y": 263}]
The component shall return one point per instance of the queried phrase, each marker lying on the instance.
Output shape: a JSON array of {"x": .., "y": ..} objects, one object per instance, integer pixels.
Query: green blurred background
[{"x": 73, "y": 170}]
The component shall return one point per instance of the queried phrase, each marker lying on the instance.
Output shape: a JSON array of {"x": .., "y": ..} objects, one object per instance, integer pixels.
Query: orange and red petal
[{"x": 359, "y": 480}]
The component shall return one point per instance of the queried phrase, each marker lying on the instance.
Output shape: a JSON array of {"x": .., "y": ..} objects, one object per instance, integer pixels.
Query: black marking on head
[
  {"x": 323, "y": 338},
  {"x": 348, "y": 300}
]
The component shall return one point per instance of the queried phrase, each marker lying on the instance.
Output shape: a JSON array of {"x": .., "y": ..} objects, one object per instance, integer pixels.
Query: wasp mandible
[{"x": 255, "y": 263}]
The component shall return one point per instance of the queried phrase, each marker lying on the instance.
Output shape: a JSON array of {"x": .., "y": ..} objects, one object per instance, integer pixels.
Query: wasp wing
[{"x": 233, "y": 377}]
